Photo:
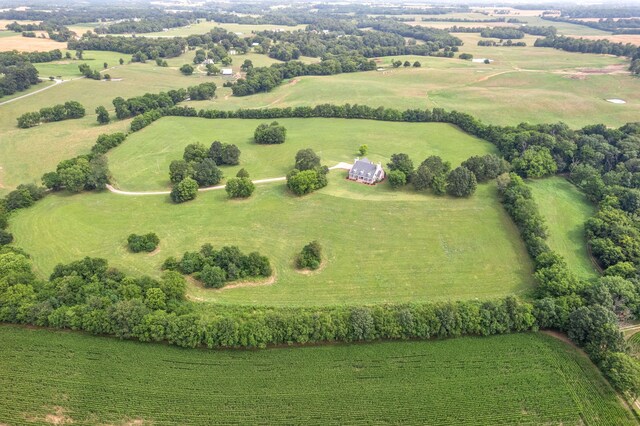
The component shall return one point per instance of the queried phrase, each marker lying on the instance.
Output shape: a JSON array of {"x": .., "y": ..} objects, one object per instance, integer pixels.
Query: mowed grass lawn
[
  {"x": 142, "y": 161},
  {"x": 566, "y": 210},
  {"x": 379, "y": 245},
  {"x": 512, "y": 379}
]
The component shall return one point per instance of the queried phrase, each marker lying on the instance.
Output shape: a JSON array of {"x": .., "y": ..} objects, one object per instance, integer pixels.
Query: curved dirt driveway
[{"x": 343, "y": 166}]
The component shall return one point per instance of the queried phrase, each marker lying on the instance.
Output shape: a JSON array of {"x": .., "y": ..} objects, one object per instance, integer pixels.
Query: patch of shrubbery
[
  {"x": 270, "y": 134},
  {"x": 147, "y": 242},
  {"x": 217, "y": 267},
  {"x": 310, "y": 257}
]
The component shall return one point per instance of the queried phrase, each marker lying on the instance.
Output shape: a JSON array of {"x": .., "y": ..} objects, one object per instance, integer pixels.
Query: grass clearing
[
  {"x": 142, "y": 162},
  {"x": 514, "y": 379},
  {"x": 380, "y": 245},
  {"x": 566, "y": 210}
]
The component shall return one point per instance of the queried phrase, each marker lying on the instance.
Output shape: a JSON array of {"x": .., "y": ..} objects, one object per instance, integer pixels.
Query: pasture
[
  {"x": 514, "y": 379},
  {"x": 566, "y": 210},
  {"x": 142, "y": 162},
  {"x": 15, "y": 41},
  {"x": 380, "y": 245}
]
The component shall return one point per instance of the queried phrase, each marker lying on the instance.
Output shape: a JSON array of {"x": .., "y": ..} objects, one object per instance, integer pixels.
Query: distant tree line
[
  {"x": 142, "y": 48},
  {"x": 507, "y": 43},
  {"x": 615, "y": 25},
  {"x": 265, "y": 79},
  {"x": 14, "y": 57},
  {"x": 603, "y": 46},
  {"x": 502, "y": 33},
  {"x": 131, "y": 107},
  {"x": 148, "y": 25},
  {"x": 68, "y": 110}
]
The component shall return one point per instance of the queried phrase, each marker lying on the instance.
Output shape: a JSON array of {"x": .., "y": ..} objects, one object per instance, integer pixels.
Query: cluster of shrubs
[
  {"x": 88, "y": 72},
  {"x": 68, "y": 110},
  {"x": 147, "y": 242},
  {"x": 240, "y": 186},
  {"x": 199, "y": 168},
  {"x": 217, "y": 267},
  {"x": 310, "y": 257},
  {"x": 83, "y": 173},
  {"x": 435, "y": 174},
  {"x": 308, "y": 175},
  {"x": 270, "y": 134}
]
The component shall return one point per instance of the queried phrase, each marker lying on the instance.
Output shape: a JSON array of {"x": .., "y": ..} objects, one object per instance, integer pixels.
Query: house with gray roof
[{"x": 366, "y": 171}]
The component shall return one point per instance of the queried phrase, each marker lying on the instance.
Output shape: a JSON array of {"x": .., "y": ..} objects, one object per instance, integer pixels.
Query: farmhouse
[{"x": 365, "y": 171}]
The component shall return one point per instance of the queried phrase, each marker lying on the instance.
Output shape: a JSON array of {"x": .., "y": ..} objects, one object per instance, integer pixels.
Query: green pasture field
[
  {"x": 379, "y": 245},
  {"x": 511, "y": 379},
  {"x": 566, "y": 210},
  {"x": 142, "y": 162},
  {"x": 523, "y": 84}
]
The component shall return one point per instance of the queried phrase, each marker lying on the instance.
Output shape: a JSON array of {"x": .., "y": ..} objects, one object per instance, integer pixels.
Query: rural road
[
  {"x": 343, "y": 166},
  {"x": 34, "y": 93},
  {"x": 57, "y": 81}
]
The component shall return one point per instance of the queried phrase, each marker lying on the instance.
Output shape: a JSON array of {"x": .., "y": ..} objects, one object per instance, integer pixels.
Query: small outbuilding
[
  {"x": 226, "y": 71},
  {"x": 366, "y": 171}
]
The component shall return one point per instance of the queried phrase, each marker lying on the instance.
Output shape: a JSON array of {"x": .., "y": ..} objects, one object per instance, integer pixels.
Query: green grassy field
[
  {"x": 515, "y": 379},
  {"x": 523, "y": 84},
  {"x": 380, "y": 245},
  {"x": 566, "y": 210},
  {"x": 142, "y": 162}
]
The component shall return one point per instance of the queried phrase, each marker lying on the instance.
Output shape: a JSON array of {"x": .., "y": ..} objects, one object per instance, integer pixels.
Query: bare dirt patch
[
  {"x": 583, "y": 73},
  {"x": 308, "y": 272},
  {"x": 155, "y": 252},
  {"x": 235, "y": 284},
  {"x": 58, "y": 417}
]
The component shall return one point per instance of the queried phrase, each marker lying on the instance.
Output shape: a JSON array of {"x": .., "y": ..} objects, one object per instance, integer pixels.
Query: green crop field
[
  {"x": 380, "y": 245},
  {"x": 516, "y": 379},
  {"x": 142, "y": 162},
  {"x": 566, "y": 210}
]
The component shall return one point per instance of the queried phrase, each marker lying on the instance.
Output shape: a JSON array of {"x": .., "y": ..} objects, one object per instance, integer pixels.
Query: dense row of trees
[
  {"x": 138, "y": 105},
  {"x": 217, "y": 267},
  {"x": 142, "y": 48},
  {"x": 507, "y": 43},
  {"x": 153, "y": 25},
  {"x": 502, "y": 33},
  {"x": 14, "y": 57},
  {"x": 67, "y": 111},
  {"x": 264, "y": 79}
]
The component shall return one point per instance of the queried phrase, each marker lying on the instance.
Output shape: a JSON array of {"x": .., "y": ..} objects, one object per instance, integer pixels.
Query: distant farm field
[
  {"x": 142, "y": 162},
  {"x": 566, "y": 210},
  {"x": 380, "y": 245},
  {"x": 514, "y": 379}
]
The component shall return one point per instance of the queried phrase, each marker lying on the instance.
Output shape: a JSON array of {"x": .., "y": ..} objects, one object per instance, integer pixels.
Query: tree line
[
  {"x": 67, "y": 111},
  {"x": 265, "y": 79},
  {"x": 151, "y": 48},
  {"x": 147, "y": 25}
]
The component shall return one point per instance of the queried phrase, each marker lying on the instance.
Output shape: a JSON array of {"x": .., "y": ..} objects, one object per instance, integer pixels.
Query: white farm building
[{"x": 367, "y": 172}]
